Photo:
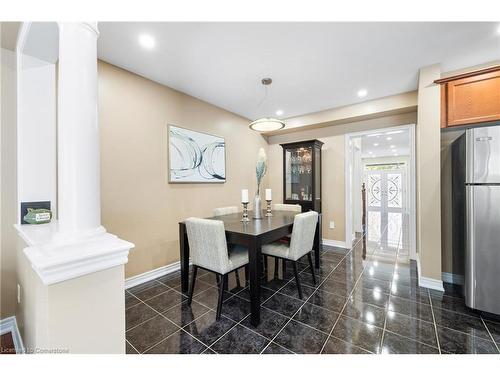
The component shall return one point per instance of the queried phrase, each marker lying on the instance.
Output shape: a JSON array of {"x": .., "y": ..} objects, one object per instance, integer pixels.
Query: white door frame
[{"x": 412, "y": 188}]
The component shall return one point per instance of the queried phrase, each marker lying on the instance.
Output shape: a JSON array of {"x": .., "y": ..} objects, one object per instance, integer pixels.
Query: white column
[{"x": 78, "y": 131}]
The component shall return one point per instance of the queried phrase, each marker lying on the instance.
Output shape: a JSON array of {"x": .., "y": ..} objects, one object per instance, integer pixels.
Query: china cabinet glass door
[{"x": 299, "y": 174}]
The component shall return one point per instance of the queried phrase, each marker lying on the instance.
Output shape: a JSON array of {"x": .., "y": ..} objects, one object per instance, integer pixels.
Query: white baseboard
[
  {"x": 10, "y": 325},
  {"x": 453, "y": 278},
  {"x": 153, "y": 274},
  {"x": 427, "y": 282},
  {"x": 335, "y": 243}
]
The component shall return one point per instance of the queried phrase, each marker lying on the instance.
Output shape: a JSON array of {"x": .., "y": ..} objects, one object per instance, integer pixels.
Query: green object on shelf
[{"x": 38, "y": 216}]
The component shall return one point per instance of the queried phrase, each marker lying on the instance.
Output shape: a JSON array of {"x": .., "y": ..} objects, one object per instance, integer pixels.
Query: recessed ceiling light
[
  {"x": 370, "y": 152},
  {"x": 392, "y": 146},
  {"x": 389, "y": 138},
  {"x": 394, "y": 132},
  {"x": 147, "y": 41},
  {"x": 374, "y": 135},
  {"x": 279, "y": 112},
  {"x": 362, "y": 93}
]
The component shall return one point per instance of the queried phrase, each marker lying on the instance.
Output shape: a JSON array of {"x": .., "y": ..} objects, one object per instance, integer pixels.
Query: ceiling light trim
[{"x": 267, "y": 124}]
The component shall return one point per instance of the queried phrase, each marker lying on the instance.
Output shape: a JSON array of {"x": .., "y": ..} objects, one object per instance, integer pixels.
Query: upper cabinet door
[{"x": 473, "y": 99}]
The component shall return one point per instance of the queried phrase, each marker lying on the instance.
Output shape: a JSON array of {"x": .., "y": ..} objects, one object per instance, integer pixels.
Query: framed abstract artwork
[{"x": 195, "y": 157}]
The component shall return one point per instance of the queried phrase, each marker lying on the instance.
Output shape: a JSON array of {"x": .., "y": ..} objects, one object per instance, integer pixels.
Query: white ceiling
[
  {"x": 379, "y": 144},
  {"x": 314, "y": 66}
]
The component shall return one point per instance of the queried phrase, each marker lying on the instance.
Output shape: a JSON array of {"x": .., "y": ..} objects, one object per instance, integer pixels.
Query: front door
[{"x": 385, "y": 204}]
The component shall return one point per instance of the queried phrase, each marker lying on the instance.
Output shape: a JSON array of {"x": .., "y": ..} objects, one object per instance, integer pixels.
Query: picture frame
[{"x": 195, "y": 157}]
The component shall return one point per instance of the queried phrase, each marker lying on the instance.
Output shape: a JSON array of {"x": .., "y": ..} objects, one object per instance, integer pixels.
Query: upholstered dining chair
[
  {"x": 225, "y": 210},
  {"x": 207, "y": 242},
  {"x": 304, "y": 228},
  {"x": 284, "y": 207},
  {"x": 219, "y": 211}
]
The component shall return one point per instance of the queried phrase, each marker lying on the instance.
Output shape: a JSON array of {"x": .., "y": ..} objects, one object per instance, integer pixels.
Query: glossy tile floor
[{"x": 366, "y": 301}]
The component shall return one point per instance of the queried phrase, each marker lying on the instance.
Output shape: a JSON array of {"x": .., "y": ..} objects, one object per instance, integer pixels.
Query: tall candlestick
[
  {"x": 245, "y": 218},
  {"x": 268, "y": 211}
]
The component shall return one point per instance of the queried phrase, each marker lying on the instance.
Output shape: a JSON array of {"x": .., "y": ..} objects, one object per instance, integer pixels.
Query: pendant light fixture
[{"x": 266, "y": 124}]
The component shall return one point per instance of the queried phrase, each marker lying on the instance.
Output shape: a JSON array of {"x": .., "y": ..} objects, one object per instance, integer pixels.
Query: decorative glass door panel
[
  {"x": 298, "y": 174},
  {"x": 385, "y": 204},
  {"x": 374, "y": 182},
  {"x": 395, "y": 190}
]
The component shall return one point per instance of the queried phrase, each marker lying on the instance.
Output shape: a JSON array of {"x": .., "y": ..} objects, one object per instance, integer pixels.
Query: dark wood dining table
[{"x": 252, "y": 235}]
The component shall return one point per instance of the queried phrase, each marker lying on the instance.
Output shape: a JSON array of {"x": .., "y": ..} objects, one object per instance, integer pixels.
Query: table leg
[
  {"x": 184, "y": 256},
  {"x": 317, "y": 242},
  {"x": 255, "y": 258}
]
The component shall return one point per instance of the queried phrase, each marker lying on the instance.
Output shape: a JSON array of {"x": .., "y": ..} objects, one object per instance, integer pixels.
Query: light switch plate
[{"x": 332, "y": 225}]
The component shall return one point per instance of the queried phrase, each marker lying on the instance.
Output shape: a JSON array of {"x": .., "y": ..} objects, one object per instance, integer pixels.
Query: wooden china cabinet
[{"x": 302, "y": 174}]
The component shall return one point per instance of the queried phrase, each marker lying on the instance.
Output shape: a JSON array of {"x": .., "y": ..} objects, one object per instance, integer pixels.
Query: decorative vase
[{"x": 257, "y": 207}]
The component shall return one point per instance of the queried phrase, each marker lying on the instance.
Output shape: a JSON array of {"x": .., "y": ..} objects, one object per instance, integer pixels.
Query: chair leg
[
  {"x": 247, "y": 273},
  {"x": 220, "y": 281},
  {"x": 193, "y": 279},
  {"x": 237, "y": 274},
  {"x": 276, "y": 266},
  {"x": 311, "y": 267},
  {"x": 299, "y": 287},
  {"x": 284, "y": 268},
  {"x": 221, "y": 295},
  {"x": 264, "y": 267}
]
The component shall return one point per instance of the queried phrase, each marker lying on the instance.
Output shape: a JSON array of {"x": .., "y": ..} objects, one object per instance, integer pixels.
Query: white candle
[
  {"x": 244, "y": 196},
  {"x": 268, "y": 195}
]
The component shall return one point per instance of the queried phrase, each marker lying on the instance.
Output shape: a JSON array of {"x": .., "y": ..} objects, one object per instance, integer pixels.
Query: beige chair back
[
  {"x": 304, "y": 228},
  {"x": 207, "y": 244},
  {"x": 225, "y": 210},
  {"x": 287, "y": 207}
]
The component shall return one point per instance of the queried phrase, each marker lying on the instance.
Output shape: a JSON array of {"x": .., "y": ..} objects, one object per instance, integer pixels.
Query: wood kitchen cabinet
[{"x": 470, "y": 98}]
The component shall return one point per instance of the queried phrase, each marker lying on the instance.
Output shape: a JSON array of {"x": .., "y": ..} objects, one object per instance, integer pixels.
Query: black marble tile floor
[{"x": 367, "y": 300}]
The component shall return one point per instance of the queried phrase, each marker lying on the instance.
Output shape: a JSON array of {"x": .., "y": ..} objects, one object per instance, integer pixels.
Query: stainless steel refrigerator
[{"x": 476, "y": 214}]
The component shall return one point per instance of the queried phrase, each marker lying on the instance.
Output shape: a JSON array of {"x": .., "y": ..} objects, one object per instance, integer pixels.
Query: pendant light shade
[{"x": 267, "y": 124}]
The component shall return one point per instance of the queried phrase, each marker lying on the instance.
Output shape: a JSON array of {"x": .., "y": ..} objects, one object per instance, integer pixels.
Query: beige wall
[
  {"x": 138, "y": 203},
  {"x": 428, "y": 134},
  {"x": 8, "y": 184},
  {"x": 333, "y": 185}
]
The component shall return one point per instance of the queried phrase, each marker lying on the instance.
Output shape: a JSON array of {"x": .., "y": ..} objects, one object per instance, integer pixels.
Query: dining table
[{"x": 252, "y": 235}]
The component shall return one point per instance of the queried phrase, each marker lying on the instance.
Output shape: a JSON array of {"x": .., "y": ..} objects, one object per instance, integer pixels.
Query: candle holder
[
  {"x": 268, "y": 211},
  {"x": 245, "y": 218}
]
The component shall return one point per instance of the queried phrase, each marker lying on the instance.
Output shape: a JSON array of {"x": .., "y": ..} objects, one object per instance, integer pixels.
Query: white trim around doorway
[{"x": 412, "y": 187}]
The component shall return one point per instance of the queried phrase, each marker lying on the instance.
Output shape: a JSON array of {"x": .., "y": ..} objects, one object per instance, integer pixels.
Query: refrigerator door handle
[{"x": 470, "y": 276}]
